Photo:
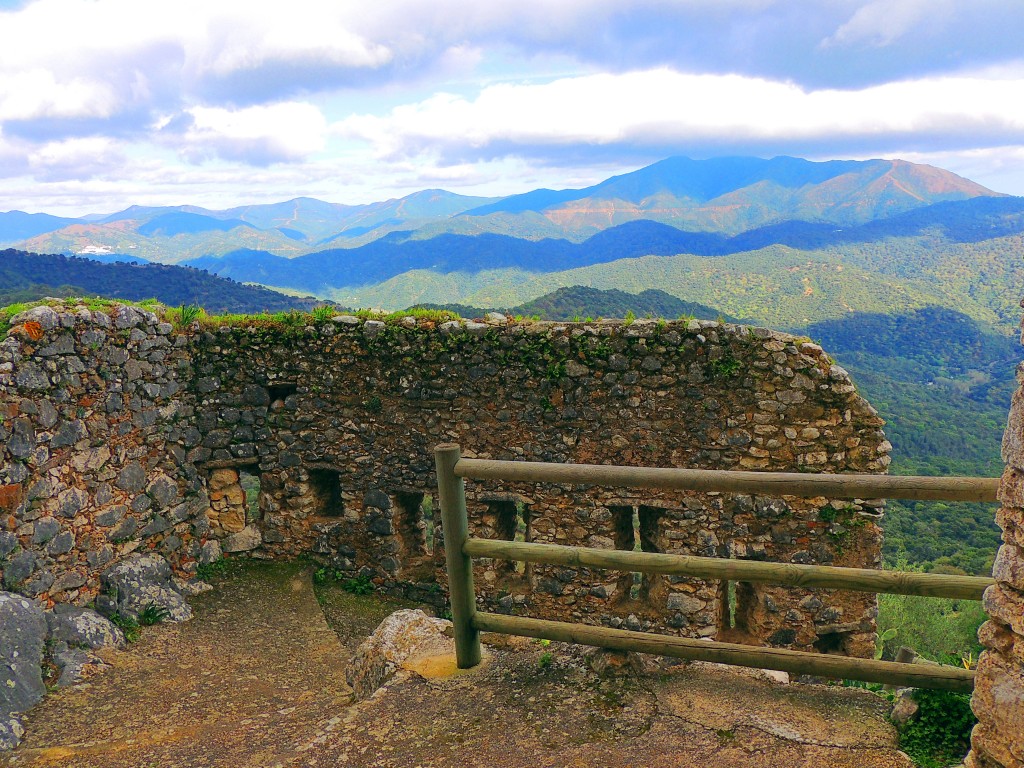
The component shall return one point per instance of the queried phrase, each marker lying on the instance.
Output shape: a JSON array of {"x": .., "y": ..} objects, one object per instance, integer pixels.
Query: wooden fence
[{"x": 460, "y": 548}]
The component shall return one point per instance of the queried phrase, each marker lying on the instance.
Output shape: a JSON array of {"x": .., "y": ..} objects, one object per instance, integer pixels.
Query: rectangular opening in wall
[
  {"x": 650, "y": 537},
  {"x": 249, "y": 479},
  {"x": 832, "y": 643},
  {"x": 523, "y": 533},
  {"x": 429, "y": 523},
  {"x": 626, "y": 536},
  {"x": 509, "y": 525},
  {"x": 325, "y": 488},
  {"x": 736, "y": 600},
  {"x": 412, "y": 527},
  {"x": 277, "y": 393}
]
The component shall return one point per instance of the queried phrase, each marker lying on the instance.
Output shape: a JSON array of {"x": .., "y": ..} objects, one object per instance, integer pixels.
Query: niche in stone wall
[
  {"x": 249, "y": 480},
  {"x": 736, "y": 600},
  {"x": 639, "y": 529},
  {"x": 277, "y": 393},
  {"x": 626, "y": 536},
  {"x": 650, "y": 536},
  {"x": 511, "y": 523},
  {"x": 836, "y": 641},
  {"x": 325, "y": 488},
  {"x": 411, "y": 524},
  {"x": 234, "y": 494}
]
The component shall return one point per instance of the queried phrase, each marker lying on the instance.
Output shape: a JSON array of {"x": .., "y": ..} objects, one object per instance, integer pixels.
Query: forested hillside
[
  {"x": 943, "y": 384},
  {"x": 29, "y": 276}
]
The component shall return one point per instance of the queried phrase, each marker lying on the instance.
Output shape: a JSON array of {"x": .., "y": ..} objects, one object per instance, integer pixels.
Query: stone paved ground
[{"x": 256, "y": 679}]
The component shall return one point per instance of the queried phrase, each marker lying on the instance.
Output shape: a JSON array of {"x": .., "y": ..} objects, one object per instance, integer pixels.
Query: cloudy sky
[{"x": 106, "y": 103}]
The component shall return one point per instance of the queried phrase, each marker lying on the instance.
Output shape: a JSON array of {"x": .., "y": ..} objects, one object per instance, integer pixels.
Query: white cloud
[
  {"x": 661, "y": 107},
  {"x": 230, "y": 96},
  {"x": 36, "y": 93},
  {"x": 75, "y": 159},
  {"x": 260, "y": 134},
  {"x": 883, "y": 22}
]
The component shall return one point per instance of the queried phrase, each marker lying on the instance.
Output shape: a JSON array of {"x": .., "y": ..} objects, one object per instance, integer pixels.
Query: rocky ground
[{"x": 258, "y": 678}]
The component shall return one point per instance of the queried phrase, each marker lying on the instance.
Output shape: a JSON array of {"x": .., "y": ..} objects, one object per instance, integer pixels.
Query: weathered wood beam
[
  {"x": 823, "y": 576},
  {"x": 793, "y": 662},
  {"x": 452, "y": 496},
  {"x": 728, "y": 481}
]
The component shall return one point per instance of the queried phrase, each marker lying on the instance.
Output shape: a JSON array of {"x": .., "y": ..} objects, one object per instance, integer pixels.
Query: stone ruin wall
[
  {"x": 122, "y": 435},
  {"x": 96, "y": 413},
  {"x": 998, "y": 739}
]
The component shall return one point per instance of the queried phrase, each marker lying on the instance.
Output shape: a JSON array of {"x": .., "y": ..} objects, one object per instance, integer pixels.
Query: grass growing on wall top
[
  {"x": 185, "y": 315},
  {"x": 91, "y": 303}
]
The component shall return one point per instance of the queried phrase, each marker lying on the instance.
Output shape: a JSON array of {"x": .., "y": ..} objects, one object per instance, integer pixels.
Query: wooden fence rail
[
  {"x": 468, "y": 623},
  {"x": 727, "y": 481},
  {"x": 782, "y": 659},
  {"x": 822, "y": 576}
]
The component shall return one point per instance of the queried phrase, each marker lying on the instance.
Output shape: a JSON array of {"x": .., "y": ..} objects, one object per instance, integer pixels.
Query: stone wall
[
  {"x": 97, "y": 415},
  {"x": 998, "y": 739},
  {"x": 341, "y": 437},
  {"x": 336, "y": 422}
]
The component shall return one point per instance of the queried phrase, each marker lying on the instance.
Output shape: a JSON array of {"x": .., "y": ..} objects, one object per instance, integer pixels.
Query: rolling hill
[
  {"x": 578, "y": 303},
  {"x": 734, "y": 194},
  {"x": 342, "y": 270},
  {"x": 30, "y": 276}
]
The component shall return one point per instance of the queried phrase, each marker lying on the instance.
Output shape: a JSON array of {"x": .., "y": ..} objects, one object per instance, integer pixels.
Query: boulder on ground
[
  {"x": 22, "y": 640},
  {"x": 403, "y": 636},
  {"x": 607, "y": 662},
  {"x": 83, "y": 628},
  {"x": 11, "y": 732},
  {"x": 139, "y": 582},
  {"x": 74, "y": 664}
]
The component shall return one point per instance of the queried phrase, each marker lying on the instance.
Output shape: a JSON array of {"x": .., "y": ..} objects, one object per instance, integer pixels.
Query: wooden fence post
[{"x": 452, "y": 496}]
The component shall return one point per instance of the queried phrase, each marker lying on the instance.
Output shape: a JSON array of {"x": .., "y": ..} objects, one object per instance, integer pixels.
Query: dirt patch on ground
[
  {"x": 517, "y": 710},
  {"x": 241, "y": 684},
  {"x": 256, "y": 679}
]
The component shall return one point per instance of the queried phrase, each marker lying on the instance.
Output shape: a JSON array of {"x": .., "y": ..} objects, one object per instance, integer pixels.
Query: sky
[{"x": 109, "y": 103}]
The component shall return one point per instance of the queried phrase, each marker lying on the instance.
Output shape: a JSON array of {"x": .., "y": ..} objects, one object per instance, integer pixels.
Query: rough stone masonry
[
  {"x": 998, "y": 739},
  {"x": 122, "y": 435}
]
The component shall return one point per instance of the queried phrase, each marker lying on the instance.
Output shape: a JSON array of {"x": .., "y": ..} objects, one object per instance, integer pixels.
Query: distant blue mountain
[
  {"x": 962, "y": 221},
  {"x": 184, "y": 223},
  {"x": 18, "y": 225}
]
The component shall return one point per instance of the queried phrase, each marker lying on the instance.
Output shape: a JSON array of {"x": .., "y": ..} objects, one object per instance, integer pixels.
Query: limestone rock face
[
  {"x": 83, "y": 627},
  {"x": 607, "y": 662},
  {"x": 245, "y": 540},
  {"x": 22, "y": 639},
  {"x": 139, "y": 581},
  {"x": 401, "y": 637}
]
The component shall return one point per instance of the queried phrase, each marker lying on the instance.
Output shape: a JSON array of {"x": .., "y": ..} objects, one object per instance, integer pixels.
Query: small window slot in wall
[
  {"x": 626, "y": 536},
  {"x": 325, "y": 487},
  {"x": 277, "y": 393},
  {"x": 412, "y": 527},
  {"x": 249, "y": 479},
  {"x": 649, "y": 537},
  {"x": 512, "y": 523},
  {"x": 428, "y": 520},
  {"x": 736, "y": 599}
]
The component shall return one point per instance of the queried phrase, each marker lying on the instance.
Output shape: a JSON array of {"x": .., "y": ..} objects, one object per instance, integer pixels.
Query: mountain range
[
  {"x": 784, "y": 241},
  {"x": 723, "y": 195}
]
